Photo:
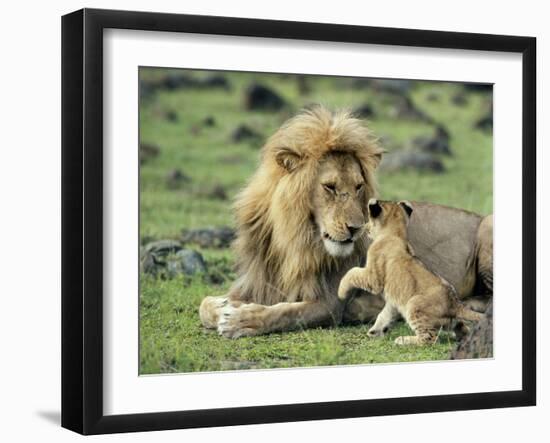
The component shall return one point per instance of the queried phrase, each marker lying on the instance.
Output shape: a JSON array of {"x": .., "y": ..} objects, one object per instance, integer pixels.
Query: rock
[
  {"x": 215, "y": 81},
  {"x": 459, "y": 99},
  {"x": 217, "y": 193},
  {"x": 262, "y": 98},
  {"x": 485, "y": 122},
  {"x": 153, "y": 255},
  {"x": 364, "y": 111},
  {"x": 175, "y": 179},
  {"x": 162, "y": 248},
  {"x": 187, "y": 262},
  {"x": 177, "y": 80},
  {"x": 433, "y": 96},
  {"x": 181, "y": 80},
  {"x": 360, "y": 83},
  {"x": 171, "y": 116},
  {"x": 478, "y": 87},
  {"x": 411, "y": 160},
  {"x": 390, "y": 86},
  {"x": 147, "y": 151},
  {"x": 437, "y": 143},
  {"x": 209, "y": 237},
  {"x": 167, "y": 258},
  {"x": 209, "y": 121},
  {"x": 304, "y": 87},
  {"x": 146, "y": 90},
  {"x": 404, "y": 108},
  {"x": 479, "y": 343},
  {"x": 245, "y": 133}
]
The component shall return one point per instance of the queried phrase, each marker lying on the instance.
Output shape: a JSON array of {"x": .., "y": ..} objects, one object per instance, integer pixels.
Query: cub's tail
[{"x": 465, "y": 313}]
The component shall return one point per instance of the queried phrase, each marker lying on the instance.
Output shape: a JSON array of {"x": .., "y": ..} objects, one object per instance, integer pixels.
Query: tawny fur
[{"x": 425, "y": 300}]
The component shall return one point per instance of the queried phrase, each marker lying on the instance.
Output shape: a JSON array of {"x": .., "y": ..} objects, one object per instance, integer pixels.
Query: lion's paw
[{"x": 242, "y": 321}]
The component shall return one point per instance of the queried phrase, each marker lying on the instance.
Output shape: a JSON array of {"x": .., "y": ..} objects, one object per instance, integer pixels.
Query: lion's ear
[
  {"x": 288, "y": 159},
  {"x": 407, "y": 207},
  {"x": 374, "y": 208},
  {"x": 377, "y": 157}
]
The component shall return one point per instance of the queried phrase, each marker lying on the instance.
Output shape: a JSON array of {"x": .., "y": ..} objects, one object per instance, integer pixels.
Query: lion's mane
[{"x": 280, "y": 256}]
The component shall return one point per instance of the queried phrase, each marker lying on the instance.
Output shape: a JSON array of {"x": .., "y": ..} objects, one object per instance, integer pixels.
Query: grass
[{"x": 171, "y": 337}]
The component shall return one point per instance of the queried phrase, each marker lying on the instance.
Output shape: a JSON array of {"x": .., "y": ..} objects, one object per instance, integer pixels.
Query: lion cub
[{"x": 426, "y": 301}]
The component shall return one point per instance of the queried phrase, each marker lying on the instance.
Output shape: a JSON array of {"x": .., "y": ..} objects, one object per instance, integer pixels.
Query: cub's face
[
  {"x": 386, "y": 215},
  {"x": 339, "y": 203}
]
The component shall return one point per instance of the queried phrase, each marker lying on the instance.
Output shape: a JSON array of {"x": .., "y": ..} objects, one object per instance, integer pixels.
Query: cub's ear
[
  {"x": 288, "y": 159},
  {"x": 407, "y": 207},
  {"x": 374, "y": 208}
]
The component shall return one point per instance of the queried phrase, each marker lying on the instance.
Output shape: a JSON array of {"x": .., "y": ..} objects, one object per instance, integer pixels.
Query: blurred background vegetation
[{"x": 200, "y": 137}]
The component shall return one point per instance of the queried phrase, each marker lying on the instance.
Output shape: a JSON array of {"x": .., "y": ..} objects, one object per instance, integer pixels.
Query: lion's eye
[
  {"x": 330, "y": 187},
  {"x": 359, "y": 187}
]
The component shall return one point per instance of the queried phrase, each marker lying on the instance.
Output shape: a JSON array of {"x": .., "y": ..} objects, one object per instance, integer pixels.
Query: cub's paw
[
  {"x": 350, "y": 281},
  {"x": 242, "y": 321},
  {"x": 407, "y": 340},
  {"x": 373, "y": 333}
]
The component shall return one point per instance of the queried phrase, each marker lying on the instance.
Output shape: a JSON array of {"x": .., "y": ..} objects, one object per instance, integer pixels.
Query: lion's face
[{"x": 339, "y": 202}]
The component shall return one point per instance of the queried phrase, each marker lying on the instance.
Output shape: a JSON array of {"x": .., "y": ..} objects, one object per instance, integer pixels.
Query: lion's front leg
[{"x": 255, "y": 319}]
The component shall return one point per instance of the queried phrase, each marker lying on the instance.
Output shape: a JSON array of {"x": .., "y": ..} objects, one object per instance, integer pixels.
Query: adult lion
[{"x": 299, "y": 229}]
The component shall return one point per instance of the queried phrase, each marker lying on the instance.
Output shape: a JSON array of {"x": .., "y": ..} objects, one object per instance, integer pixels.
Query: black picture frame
[{"x": 82, "y": 220}]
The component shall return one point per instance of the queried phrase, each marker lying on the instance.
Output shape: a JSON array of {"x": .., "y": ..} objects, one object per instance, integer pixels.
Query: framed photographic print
[{"x": 269, "y": 221}]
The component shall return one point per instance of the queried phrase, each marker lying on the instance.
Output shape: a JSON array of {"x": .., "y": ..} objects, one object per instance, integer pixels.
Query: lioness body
[
  {"x": 425, "y": 300},
  {"x": 298, "y": 231}
]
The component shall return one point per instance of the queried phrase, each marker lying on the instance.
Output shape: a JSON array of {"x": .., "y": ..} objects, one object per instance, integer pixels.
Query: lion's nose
[{"x": 352, "y": 230}]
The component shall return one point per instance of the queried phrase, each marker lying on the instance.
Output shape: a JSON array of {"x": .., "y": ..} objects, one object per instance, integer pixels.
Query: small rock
[
  {"x": 304, "y": 87},
  {"x": 171, "y": 116},
  {"x": 215, "y": 81},
  {"x": 260, "y": 97},
  {"x": 209, "y": 121},
  {"x": 485, "y": 122},
  {"x": 404, "y": 108},
  {"x": 360, "y": 83},
  {"x": 146, "y": 90},
  {"x": 364, "y": 111},
  {"x": 390, "y": 86},
  {"x": 437, "y": 143},
  {"x": 176, "y": 178},
  {"x": 245, "y": 133},
  {"x": 177, "y": 80},
  {"x": 209, "y": 237},
  {"x": 433, "y": 96},
  {"x": 153, "y": 256},
  {"x": 459, "y": 99},
  {"x": 478, "y": 87},
  {"x": 217, "y": 193},
  {"x": 411, "y": 160},
  {"x": 147, "y": 151}
]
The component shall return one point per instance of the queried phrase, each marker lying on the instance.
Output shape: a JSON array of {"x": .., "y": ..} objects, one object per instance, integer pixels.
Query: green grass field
[{"x": 171, "y": 336}]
